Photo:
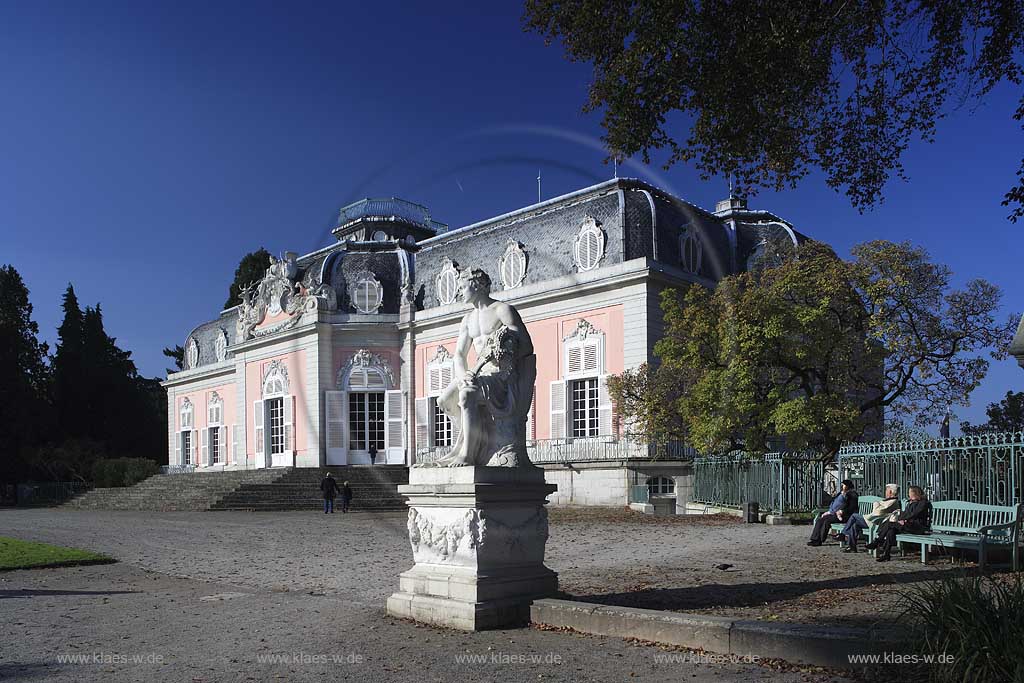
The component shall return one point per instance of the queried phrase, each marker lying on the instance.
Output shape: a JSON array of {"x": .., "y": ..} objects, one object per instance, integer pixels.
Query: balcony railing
[{"x": 544, "y": 451}]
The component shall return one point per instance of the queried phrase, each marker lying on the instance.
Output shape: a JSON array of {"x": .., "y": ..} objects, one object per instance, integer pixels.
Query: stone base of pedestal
[{"x": 478, "y": 536}]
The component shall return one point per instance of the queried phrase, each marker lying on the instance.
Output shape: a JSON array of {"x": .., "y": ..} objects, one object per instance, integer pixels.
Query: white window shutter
[
  {"x": 394, "y": 423},
  {"x": 605, "y": 408},
  {"x": 195, "y": 438},
  {"x": 422, "y": 423},
  {"x": 259, "y": 435},
  {"x": 211, "y": 414},
  {"x": 204, "y": 439},
  {"x": 558, "y": 412},
  {"x": 446, "y": 376},
  {"x": 222, "y": 446},
  {"x": 289, "y": 424},
  {"x": 574, "y": 360},
  {"x": 531, "y": 433},
  {"x": 591, "y": 362},
  {"x": 177, "y": 449},
  {"x": 337, "y": 423},
  {"x": 237, "y": 441}
]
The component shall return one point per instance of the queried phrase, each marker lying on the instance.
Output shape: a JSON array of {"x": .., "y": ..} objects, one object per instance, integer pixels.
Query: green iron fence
[
  {"x": 778, "y": 482},
  {"x": 986, "y": 469}
]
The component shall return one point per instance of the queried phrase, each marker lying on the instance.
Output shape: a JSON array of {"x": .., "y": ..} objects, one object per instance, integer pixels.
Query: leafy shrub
[
  {"x": 122, "y": 471},
  {"x": 979, "y": 621}
]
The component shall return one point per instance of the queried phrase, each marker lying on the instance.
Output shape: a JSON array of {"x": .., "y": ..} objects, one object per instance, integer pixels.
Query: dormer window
[
  {"x": 366, "y": 293},
  {"x": 448, "y": 283},
  {"x": 512, "y": 265},
  {"x": 691, "y": 251},
  {"x": 588, "y": 249}
]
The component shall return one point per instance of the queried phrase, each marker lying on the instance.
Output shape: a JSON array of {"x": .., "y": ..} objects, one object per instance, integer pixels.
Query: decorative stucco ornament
[
  {"x": 365, "y": 359},
  {"x": 491, "y": 399},
  {"x": 279, "y": 292}
]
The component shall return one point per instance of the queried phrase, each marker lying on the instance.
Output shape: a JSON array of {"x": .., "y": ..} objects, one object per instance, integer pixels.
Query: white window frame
[
  {"x": 446, "y": 284},
  {"x": 364, "y": 373},
  {"x": 191, "y": 353},
  {"x": 440, "y": 372},
  {"x": 276, "y": 385},
  {"x": 583, "y": 359},
  {"x": 689, "y": 238},
  {"x": 367, "y": 282},
  {"x": 216, "y": 445},
  {"x": 588, "y": 249},
  {"x": 661, "y": 486},
  {"x": 512, "y": 265}
]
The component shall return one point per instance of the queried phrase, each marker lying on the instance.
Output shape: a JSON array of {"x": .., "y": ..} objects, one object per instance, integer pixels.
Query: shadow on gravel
[
  {"x": 29, "y": 593},
  {"x": 716, "y": 595},
  {"x": 12, "y": 671}
]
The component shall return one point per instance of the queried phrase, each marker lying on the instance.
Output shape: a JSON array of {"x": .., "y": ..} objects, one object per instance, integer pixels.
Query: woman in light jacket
[{"x": 887, "y": 507}]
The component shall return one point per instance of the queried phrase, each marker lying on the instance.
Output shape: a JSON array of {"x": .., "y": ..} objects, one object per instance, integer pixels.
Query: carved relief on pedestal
[
  {"x": 455, "y": 536},
  {"x": 279, "y": 292},
  {"x": 438, "y": 540}
]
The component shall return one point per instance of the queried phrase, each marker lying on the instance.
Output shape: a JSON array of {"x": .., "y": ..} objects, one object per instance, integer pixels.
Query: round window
[{"x": 380, "y": 236}]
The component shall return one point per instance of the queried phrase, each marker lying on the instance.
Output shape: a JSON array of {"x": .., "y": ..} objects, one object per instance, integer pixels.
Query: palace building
[{"x": 345, "y": 350}]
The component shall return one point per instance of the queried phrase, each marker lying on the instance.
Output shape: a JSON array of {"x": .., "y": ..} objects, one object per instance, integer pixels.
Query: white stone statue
[{"x": 490, "y": 401}]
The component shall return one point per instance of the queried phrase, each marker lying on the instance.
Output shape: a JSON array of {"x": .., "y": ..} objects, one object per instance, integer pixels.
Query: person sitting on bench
[
  {"x": 887, "y": 507},
  {"x": 842, "y": 508},
  {"x": 916, "y": 519}
]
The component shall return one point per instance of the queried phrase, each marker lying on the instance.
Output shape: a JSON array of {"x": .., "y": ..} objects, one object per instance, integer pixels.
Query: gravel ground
[{"x": 210, "y": 592}]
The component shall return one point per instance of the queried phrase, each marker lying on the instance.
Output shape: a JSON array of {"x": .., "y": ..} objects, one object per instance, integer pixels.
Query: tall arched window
[
  {"x": 274, "y": 418},
  {"x": 215, "y": 435},
  {"x": 366, "y": 415},
  {"x": 184, "y": 445}
]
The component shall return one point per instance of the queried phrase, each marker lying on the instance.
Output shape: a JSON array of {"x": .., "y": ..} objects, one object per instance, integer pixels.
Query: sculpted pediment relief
[{"x": 279, "y": 292}]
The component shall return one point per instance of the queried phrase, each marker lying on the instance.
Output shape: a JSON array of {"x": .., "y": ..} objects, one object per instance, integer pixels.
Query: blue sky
[{"x": 145, "y": 147}]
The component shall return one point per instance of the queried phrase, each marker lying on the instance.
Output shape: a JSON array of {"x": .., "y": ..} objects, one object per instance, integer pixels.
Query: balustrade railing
[
  {"x": 602, "y": 448},
  {"x": 987, "y": 469},
  {"x": 778, "y": 482}
]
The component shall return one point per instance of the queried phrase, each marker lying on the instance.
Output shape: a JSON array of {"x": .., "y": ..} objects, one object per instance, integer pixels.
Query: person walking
[
  {"x": 346, "y": 497},
  {"x": 329, "y": 489}
]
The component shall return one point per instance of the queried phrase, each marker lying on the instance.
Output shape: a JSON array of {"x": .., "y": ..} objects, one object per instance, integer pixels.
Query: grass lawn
[{"x": 16, "y": 554}]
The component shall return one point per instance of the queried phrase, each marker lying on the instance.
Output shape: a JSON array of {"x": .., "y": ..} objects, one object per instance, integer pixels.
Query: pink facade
[
  {"x": 200, "y": 401},
  {"x": 295, "y": 362},
  {"x": 548, "y": 336}
]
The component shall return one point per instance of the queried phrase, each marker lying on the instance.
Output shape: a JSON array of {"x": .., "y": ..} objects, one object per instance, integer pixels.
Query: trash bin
[{"x": 750, "y": 512}]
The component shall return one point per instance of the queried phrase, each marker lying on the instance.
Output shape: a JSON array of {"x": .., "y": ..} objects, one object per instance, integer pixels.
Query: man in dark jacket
[
  {"x": 916, "y": 519},
  {"x": 329, "y": 488},
  {"x": 843, "y": 506}
]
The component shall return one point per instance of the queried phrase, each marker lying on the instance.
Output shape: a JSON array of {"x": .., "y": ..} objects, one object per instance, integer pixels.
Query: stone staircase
[
  {"x": 373, "y": 488},
  {"x": 171, "y": 492}
]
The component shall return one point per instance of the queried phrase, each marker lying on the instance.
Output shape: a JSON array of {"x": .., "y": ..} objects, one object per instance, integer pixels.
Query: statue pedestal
[{"x": 478, "y": 536}]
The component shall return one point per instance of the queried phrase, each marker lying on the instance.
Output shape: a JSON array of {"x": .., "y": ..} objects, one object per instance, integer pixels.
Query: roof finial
[{"x": 538, "y": 186}]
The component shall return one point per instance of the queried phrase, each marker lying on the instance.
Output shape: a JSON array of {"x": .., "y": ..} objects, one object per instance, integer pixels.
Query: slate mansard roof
[{"x": 637, "y": 220}]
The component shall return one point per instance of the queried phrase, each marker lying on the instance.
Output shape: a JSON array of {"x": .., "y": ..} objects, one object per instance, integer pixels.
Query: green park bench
[{"x": 959, "y": 524}]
